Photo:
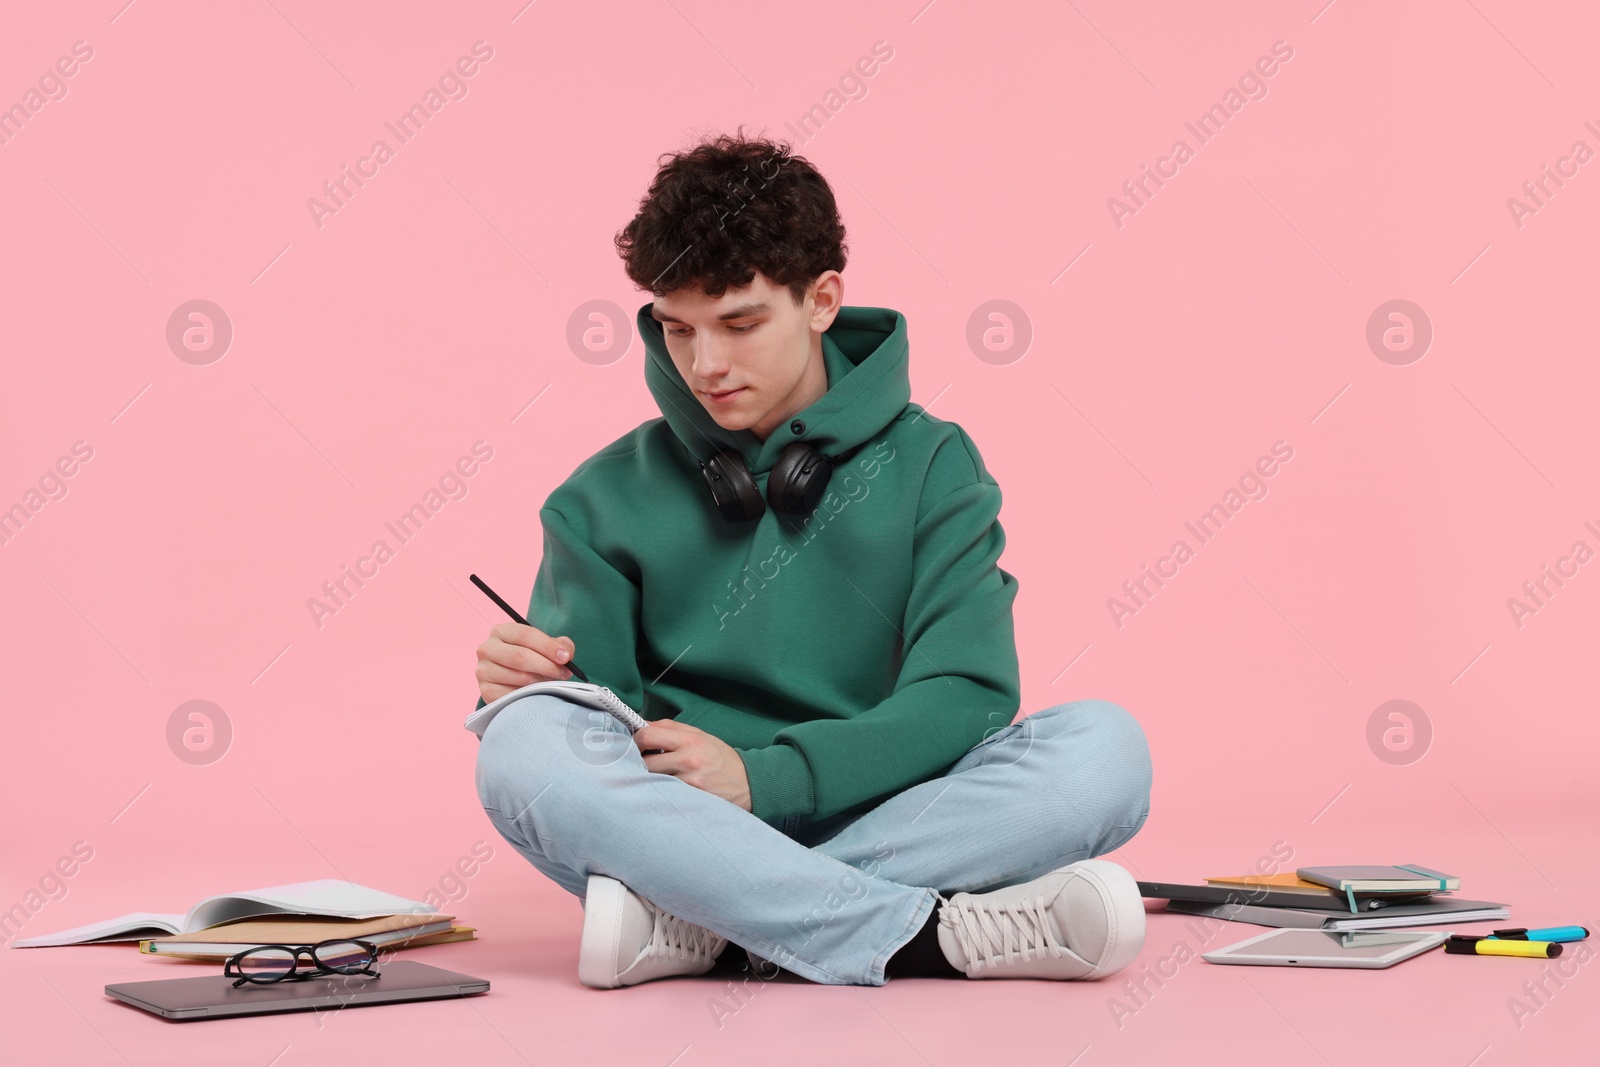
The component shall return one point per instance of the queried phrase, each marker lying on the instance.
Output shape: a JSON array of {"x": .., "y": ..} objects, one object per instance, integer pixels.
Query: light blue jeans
[{"x": 831, "y": 900}]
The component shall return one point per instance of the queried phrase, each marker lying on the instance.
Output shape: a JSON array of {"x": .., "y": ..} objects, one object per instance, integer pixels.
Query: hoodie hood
[{"x": 869, "y": 384}]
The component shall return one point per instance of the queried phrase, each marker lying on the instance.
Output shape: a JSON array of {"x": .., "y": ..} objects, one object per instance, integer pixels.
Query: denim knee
[
  {"x": 1111, "y": 740},
  {"x": 521, "y": 750}
]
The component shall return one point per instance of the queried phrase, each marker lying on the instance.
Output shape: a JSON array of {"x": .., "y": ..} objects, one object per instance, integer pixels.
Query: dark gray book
[
  {"x": 1223, "y": 894},
  {"x": 1426, "y": 913}
]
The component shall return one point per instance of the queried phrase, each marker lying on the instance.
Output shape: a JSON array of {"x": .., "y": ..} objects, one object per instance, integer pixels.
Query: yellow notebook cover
[
  {"x": 224, "y": 940},
  {"x": 1283, "y": 883},
  {"x": 455, "y": 933}
]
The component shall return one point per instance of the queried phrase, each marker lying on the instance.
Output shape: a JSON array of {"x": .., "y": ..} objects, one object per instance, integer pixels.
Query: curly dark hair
[{"x": 726, "y": 208}]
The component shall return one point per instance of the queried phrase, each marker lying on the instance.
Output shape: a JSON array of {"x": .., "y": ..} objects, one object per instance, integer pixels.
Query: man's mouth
[{"x": 725, "y": 395}]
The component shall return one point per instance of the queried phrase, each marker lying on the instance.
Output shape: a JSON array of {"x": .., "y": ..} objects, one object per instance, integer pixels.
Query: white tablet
[{"x": 1328, "y": 948}]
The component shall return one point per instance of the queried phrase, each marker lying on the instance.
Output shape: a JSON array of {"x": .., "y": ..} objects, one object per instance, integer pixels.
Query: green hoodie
[{"x": 846, "y": 655}]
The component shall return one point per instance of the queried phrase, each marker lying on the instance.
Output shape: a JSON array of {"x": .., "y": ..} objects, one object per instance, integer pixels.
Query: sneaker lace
[
  {"x": 680, "y": 938},
  {"x": 992, "y": 933}
]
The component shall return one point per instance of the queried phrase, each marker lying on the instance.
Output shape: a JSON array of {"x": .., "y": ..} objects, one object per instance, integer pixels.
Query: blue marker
[{"x": 1549, "y": 933}]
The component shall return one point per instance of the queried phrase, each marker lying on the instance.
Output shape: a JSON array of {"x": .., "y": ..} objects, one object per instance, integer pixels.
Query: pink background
[{"x": 369, "y": 354}]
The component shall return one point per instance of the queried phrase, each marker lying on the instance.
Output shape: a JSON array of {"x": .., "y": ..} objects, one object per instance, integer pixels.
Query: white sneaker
[
  {"x": 1084, "y": 920},
  {"x": 628, "y": 940}
]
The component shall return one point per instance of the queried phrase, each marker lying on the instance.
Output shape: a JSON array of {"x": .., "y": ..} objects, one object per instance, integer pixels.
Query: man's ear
[{"x": 827, "y": 295}]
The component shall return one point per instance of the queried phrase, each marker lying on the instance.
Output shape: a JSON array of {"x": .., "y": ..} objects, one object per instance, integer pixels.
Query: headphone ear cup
[
  {"x": 798, "y": 479},
  {"x": 732, "y": 488}
]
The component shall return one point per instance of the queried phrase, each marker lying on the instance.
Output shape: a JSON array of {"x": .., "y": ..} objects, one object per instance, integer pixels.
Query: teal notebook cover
[{"x": 1343, "y": 878}]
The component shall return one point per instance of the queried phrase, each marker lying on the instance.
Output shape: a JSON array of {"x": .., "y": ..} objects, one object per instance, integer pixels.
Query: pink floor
[{"x": 1435, "y": 1009}]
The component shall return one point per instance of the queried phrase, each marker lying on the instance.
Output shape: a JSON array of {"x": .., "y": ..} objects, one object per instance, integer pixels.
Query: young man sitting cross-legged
[{"x": 793, "y": 574}]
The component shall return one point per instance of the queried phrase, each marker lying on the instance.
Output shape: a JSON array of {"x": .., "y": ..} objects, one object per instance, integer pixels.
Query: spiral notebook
[{"x": 586, "y": 693}]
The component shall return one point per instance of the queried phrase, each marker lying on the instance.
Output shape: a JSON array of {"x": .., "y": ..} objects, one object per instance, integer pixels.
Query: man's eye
[{"x": 735, "y": 329}]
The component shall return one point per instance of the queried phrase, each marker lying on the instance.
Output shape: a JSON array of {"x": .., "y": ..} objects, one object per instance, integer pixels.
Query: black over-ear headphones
[{"x": 794, "y": 487}]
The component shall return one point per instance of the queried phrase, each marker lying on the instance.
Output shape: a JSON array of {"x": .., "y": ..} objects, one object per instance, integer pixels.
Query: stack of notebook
[
  {"x": 1330, "y": 898},
  {"x": 217, "y": 943}
]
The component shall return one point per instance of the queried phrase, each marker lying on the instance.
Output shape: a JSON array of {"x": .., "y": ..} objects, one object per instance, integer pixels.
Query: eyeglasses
[{"x": 265, "y": 964}]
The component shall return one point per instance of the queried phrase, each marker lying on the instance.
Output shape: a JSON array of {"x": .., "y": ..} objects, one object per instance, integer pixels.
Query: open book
[
  {"x": 588, "y": 694},
  {"x": 326, "y": 897}
]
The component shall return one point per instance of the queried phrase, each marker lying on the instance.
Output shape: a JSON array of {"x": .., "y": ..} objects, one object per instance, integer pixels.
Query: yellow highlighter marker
[{"x": 1462, "y": 945}]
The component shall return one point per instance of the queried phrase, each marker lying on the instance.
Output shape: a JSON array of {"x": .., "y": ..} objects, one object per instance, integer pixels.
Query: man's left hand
[{"x": 703, "y": 760}]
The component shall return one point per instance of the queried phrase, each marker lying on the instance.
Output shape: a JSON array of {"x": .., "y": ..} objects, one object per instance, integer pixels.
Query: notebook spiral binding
[{"x": 618, "y": 708}]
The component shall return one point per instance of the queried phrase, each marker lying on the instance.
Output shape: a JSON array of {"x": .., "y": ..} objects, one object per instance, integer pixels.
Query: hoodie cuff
[{"x": 780, "y": 781}]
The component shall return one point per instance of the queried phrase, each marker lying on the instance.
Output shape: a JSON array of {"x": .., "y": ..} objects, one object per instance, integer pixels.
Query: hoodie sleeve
[
  {"x": 579, "y": 594},
  {"x": 958, "y": 680}
]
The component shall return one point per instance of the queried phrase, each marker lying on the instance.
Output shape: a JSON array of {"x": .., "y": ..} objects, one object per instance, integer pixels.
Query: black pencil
[{"x": 509, "y": 610}]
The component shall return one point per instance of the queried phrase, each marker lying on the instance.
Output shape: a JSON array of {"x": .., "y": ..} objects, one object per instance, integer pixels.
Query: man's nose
[{"x": 709, "y": 363}]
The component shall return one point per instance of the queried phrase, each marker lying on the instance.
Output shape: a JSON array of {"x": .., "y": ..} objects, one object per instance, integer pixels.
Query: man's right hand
[{"x": 516, "y": 655}]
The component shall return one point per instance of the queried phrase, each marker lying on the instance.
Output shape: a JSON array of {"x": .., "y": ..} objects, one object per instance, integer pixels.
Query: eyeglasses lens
[
  {"x": 342, "y": 956},
  {"x": 266, "y": 965}
]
